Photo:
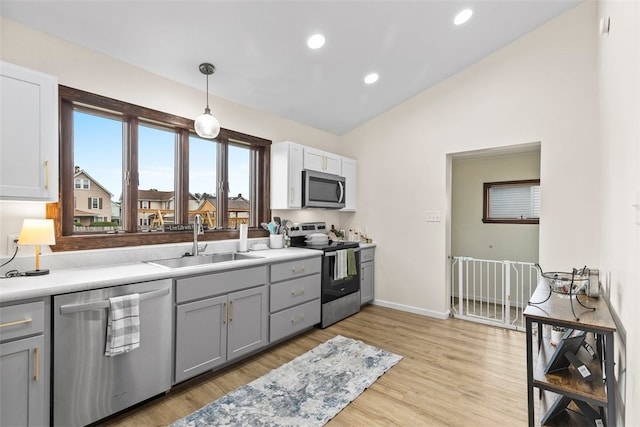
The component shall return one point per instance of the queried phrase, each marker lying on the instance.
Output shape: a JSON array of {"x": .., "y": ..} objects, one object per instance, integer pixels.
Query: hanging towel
[
  {"x": 123, "y": 325},
  {"x": 351, "y": 263},
  {"x": 340, "y": 266}
]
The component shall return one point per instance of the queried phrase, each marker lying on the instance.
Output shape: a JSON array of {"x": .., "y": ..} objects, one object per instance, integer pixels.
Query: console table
[{"x": 599, "y": 392}]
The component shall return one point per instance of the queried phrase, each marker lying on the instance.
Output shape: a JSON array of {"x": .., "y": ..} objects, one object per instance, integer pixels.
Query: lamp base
[{"x": 36, "y": 272}]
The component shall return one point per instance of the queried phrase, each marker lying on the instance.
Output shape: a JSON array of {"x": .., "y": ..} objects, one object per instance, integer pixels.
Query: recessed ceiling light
[
  {"x": 463, "y": 17},
  {"x": 316, "y": 41},
  {"x": 371, "y": 78}
]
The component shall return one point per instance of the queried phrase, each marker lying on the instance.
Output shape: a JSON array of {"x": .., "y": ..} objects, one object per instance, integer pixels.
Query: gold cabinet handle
[
  {"x": 16, "y": 322},
  {"x": 296, "y": 270},
  {"x": 46, "y": 174},
  {"x": 297, "y": 292},
  {"x": 224, "y": 313},
  {"x": 36, "y": 364},
  {"x": 297, "y": 319}
]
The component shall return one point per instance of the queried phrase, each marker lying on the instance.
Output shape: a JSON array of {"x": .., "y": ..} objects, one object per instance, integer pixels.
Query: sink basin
[{"x": 190, "y": 261}]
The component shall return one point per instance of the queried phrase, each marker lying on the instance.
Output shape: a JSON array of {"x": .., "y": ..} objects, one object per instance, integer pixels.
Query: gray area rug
[{"x": 307, "y": 391}]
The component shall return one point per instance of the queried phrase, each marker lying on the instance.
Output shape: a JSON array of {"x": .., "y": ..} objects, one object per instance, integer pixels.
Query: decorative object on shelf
[
  {"x": 568, "y": 285},
  {"x": 37, "y": 232},
  {"x": 556, "y": 334},
  {"x": 206, "y": 125}
]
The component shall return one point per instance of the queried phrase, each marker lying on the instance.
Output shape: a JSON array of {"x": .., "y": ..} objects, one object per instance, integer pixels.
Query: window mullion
[
  {"x": 67, "y": 183},
  {"x": 223, "y": 184},
  {"x": 181, "y": 185},
  {"x": 130, "y": 180}
]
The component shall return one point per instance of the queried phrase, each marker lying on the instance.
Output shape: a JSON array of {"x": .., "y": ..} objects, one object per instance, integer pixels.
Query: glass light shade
[
  {"x": 206, "y": 125},
  {"x": 37, "y": 232}
]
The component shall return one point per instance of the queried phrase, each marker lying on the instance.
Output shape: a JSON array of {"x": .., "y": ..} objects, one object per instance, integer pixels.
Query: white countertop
[{"x": 60, "y": 281}]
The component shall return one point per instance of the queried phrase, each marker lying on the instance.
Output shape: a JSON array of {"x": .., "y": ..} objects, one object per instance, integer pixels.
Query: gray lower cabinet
[
  {"x": 23, "y": 365},
  {"x": 213, "y": 330},
  {"x": 366, "y": 275},
  {"x": 294, "y": 297}
]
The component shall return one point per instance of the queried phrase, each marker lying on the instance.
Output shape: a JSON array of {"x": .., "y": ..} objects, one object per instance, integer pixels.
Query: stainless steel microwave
[{"x": 322, "y": 190}]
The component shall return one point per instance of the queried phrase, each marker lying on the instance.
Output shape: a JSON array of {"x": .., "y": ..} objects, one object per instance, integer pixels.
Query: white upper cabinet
[
  {"x": 321, "y": 161},
  {"x": 28, "y": 134},
  {"x": 286, "y": 175},
  {"x": 289, "y": 159},
  {"x": 349, "y": 173}
]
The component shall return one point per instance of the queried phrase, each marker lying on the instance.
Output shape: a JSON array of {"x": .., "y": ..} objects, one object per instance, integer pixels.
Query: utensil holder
[{"x": 275, "y": 241}]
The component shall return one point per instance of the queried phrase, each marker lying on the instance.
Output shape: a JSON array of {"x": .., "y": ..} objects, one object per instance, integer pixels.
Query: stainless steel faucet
[{"x": 197, "y": 229}]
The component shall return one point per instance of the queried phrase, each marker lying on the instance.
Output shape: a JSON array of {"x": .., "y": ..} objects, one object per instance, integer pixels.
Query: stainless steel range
[{"x": 340, "y": 291}]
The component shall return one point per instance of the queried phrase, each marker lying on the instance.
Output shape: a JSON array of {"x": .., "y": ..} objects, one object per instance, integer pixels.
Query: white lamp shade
[
  {"x": 37, "y": 232},
  {"x": 207, "y": 126}
]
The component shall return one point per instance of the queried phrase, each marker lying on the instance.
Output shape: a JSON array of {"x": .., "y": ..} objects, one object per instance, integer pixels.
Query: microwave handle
[{"x": 341, "y": 198}]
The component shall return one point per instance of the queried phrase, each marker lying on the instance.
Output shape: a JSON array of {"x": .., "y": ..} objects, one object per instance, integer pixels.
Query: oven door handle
[{"x": 333, "y": 253}]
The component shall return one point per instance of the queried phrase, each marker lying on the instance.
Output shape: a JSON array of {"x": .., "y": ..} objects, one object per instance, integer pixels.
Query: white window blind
[{"x": 514, "y": 202}]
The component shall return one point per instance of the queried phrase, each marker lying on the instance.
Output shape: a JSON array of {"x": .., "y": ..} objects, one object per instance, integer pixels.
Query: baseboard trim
[{"x": 411, "y": 309}]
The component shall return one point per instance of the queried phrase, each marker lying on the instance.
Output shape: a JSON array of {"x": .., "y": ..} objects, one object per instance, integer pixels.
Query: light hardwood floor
[{"x": 454, "y": 373}]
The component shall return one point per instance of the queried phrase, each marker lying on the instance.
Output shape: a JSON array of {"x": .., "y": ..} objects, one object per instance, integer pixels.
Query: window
[
  {"x": 512, "y": 202},
  {"x": 149, "y": 170},
  {"x": 82, "y": 184}
]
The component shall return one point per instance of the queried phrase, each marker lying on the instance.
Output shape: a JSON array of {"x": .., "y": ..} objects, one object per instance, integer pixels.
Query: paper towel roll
[{"x": 244, "y": 231}]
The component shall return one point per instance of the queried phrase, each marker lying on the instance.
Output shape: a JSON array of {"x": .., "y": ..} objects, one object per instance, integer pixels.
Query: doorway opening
[{"x": 492, "y": 265}]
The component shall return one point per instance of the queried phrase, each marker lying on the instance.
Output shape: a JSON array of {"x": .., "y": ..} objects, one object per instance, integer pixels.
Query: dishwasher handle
[{"x": 99, "y": 305}]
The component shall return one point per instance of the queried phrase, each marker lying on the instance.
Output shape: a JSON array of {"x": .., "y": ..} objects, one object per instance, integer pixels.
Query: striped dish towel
[{"x": 123, "y": 325}]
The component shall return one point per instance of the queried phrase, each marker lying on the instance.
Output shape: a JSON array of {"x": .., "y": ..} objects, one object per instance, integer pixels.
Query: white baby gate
[{"x": 490, "y": 291}]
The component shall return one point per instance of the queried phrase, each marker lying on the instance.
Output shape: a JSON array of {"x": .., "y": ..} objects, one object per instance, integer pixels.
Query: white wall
[
  {"x": 542, "y": 87},
  {"x": 619, "y": 96},
  {"x": 469, "y": 235},
  {"x": 84, "y": 69}
]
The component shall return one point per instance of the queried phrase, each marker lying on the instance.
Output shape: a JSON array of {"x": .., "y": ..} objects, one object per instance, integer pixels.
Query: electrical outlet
[
  {"x": 12, "y": 243},
  {"x": 433, "y": 216}
]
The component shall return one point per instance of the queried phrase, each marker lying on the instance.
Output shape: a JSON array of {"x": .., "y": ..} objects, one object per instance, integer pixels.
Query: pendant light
[{"x": 206, "y": 125}]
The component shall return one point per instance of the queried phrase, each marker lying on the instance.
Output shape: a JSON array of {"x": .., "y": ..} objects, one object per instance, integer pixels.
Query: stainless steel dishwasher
[{"x": 87, "y": 385}]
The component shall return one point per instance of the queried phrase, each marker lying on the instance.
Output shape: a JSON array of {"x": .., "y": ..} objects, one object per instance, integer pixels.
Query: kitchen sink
[{"x": 190, "y": 261}]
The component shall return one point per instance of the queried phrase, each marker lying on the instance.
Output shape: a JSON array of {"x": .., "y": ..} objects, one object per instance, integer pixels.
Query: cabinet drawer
[
  {"x": 213, "y": 284},
  {"x": 293, "y": 320},
  {"x": 21, "y": 320},
  {"x": 366, "y": 255},
  {"x": 293, "y": 292},
  {"x": 293, "y": 269}
]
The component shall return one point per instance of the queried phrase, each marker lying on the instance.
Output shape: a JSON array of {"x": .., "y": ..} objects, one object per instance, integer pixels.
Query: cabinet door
[
  {"x": 366, "y": 282},
  {"x": 247, "y": 326},
  {"x": 332, "y": 163},
  {"x": 314, "y": 159},
  {"x": 21, "y": 382},
  {"x": 286, "y": 175},
  {"x": 295, "y": 176},
  {"x": 321, "y": 161},
  {"x": 28, "y": 134},
  {"x": 201, "y": 336},
  {"x": 349, "y": 173}
]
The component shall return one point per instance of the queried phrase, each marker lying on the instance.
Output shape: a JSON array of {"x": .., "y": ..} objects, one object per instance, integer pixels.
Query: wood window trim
[
  {"x": 62, "y": 211},
  {"x": 485, "y": 202}
]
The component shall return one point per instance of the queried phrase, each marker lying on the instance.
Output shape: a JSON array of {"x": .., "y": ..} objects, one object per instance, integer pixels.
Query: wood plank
[
  {"x": 454, "y": 372},
  {"x": 557, "y": 310}
]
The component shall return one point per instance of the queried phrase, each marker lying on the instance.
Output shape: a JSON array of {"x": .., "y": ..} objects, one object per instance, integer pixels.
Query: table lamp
[{"x": 37, "y": 232}]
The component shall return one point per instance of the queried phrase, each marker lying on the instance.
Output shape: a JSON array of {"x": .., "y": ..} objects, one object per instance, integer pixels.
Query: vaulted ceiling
[{"x": 259, "y": 48}]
